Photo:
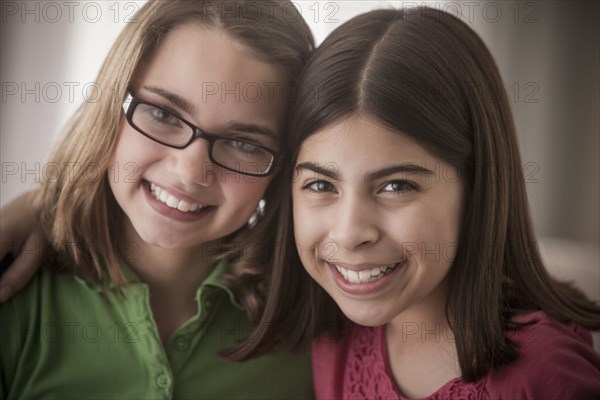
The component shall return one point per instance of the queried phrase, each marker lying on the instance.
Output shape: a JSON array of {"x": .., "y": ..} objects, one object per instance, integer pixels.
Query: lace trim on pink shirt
[{"x": 367, "y": 375}]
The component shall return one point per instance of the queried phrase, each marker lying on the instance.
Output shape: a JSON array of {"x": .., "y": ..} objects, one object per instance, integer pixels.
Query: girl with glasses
[{"x": 155, "y": 272}]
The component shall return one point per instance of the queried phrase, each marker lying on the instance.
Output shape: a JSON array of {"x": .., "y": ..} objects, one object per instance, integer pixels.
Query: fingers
[
  {"x": 12, "y": 235},
  {"x": 21, "y": 247},
  {"x": 16, "y": 222},
  {"x": 6, "y": 251},
  {"x": 24, "y": 266}
]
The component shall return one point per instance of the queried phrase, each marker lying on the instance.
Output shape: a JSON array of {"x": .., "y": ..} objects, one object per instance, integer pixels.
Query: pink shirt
[{"x": 557, "y": 361}]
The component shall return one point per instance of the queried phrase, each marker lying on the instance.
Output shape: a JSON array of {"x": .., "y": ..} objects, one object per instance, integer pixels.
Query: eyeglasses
[{"x": 164, "y": 127}]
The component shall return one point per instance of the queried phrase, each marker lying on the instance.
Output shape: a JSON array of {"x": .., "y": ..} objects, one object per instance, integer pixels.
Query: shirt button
[
  {"x": 208, "y": 304},
  {"x": 181, "y": 344},
  {"x": 162, "y": 381}
]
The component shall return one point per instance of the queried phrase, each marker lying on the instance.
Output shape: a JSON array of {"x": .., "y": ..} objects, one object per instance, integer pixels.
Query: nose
[
  {"x": 354, "y": 224},
  {"x": 192, "y": 164}
]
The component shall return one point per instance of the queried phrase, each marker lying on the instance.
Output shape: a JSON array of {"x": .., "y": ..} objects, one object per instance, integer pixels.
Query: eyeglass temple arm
[{"x": 127, "y": 102}]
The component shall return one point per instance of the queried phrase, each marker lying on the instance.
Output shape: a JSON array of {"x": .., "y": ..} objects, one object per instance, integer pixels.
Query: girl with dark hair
[{"x": 410, "y": 213}]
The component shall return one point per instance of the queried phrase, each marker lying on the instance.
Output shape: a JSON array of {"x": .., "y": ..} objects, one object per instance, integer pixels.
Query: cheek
[
  {"x": 123, "y": 168},
  {"x": 133, "y": 151},
  {"x": 311, "y": 239},
  {"x": 244, "y": 191},
  {"x": 434, "y": 236},
  {"x": 447, "y": 221},
  {"x": 306, "y": 232},
  {"x": 304, "y": 235},
  {"x": 131, "y": 160},
  {"x": 120, "y": 137},
  {"x": 424, "y": 233},
  {"x": 409, "y": 226}
]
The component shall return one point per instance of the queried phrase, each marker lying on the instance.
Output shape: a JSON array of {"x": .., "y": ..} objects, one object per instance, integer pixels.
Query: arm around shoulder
[{"x": 24, "y": 240}]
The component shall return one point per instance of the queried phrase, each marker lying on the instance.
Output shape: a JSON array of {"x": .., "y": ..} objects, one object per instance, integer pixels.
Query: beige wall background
[{"x": 547, "y": 51}]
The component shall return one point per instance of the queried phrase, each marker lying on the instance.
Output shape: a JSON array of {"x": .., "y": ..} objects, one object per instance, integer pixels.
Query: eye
[
  {"x": 244, "y": 146},
  {"x": 401, "y": 186},
  {"x": 163, "y": 116},
  {"x": 319, "y": 186}
]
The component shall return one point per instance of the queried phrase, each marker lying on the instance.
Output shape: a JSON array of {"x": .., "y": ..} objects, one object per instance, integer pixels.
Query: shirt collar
[{"x": 213, "y": 281}]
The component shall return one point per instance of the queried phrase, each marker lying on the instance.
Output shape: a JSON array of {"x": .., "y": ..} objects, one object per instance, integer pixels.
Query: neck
[
  {"x": 176, "y": 272},
  {"x": 423, "y": 323},
  {"x": 172, "y": 275},
  {"x": 421, "y": 349}
]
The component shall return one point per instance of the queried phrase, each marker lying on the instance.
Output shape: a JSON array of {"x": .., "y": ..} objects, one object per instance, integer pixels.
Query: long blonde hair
[{"x": 78, "y": 211}]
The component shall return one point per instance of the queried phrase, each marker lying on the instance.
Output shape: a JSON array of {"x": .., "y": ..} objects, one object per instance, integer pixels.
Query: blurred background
[{"x": 547, "y": 51}]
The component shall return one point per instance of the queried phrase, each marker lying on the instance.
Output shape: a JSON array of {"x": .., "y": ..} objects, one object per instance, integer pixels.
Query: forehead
[
  {"x": 222, "y": 78},
  {"x": 364, "y": 143}
]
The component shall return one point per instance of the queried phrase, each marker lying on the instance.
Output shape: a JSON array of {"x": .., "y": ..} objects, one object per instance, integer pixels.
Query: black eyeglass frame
[{"x": 130, "y": 104}]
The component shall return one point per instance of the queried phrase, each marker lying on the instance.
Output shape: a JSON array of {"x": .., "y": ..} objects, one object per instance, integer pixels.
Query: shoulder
[
  {"x": 29, "y": 317},
  {"x": 48, "y": 283},
  {"x": 24, "y": 302},
  {"x": 556, "y": 361},
  {"x": 47, "y": 298}
]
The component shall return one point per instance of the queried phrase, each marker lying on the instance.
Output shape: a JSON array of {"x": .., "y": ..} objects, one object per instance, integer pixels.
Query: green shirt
[{"x": 60, "y": 338}]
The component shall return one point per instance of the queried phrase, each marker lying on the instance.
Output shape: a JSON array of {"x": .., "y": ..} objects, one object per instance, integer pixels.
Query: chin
[
  {"x": 366, "y": 317},
  {"x": 162, "y": 241}
]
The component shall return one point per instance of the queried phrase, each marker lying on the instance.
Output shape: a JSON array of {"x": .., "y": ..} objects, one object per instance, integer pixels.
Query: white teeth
[
  {"x": 366, "y": 275},
  {"x": 163, "y": 196},
  {"x": 183, "y": 206},
  {"x": 352, "y": 276},
  {"x": 172, "y": 201}
]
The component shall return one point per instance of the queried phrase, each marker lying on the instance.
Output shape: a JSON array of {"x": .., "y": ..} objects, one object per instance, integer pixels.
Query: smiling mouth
[
  {"x": 366, "y": 275},
  {"x": 171, "y": 201}
]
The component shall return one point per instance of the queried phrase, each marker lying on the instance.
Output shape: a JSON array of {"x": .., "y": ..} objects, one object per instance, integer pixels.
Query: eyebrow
[
  {"x": 173, "y": 98},
  {"x": 318, "y": 169},
  {"x": 189, "y": 108},
  {"x": 252, "y": 129},
  {"x": 407, "y": 168}
]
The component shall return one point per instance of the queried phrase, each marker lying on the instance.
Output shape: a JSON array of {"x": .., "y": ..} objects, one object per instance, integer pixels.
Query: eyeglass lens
[{"x": 169, "y": 129}]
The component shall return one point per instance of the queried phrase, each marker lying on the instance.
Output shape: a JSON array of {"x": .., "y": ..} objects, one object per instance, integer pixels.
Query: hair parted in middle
[
  {"x": 79, "y": 212},
  {"x": 425, "y": 74}
]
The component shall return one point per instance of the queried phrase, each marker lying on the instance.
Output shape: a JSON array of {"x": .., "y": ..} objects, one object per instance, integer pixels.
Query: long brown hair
[
  {"x": 427, "y": 75},
  {"x": 78, "y": 210}
]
